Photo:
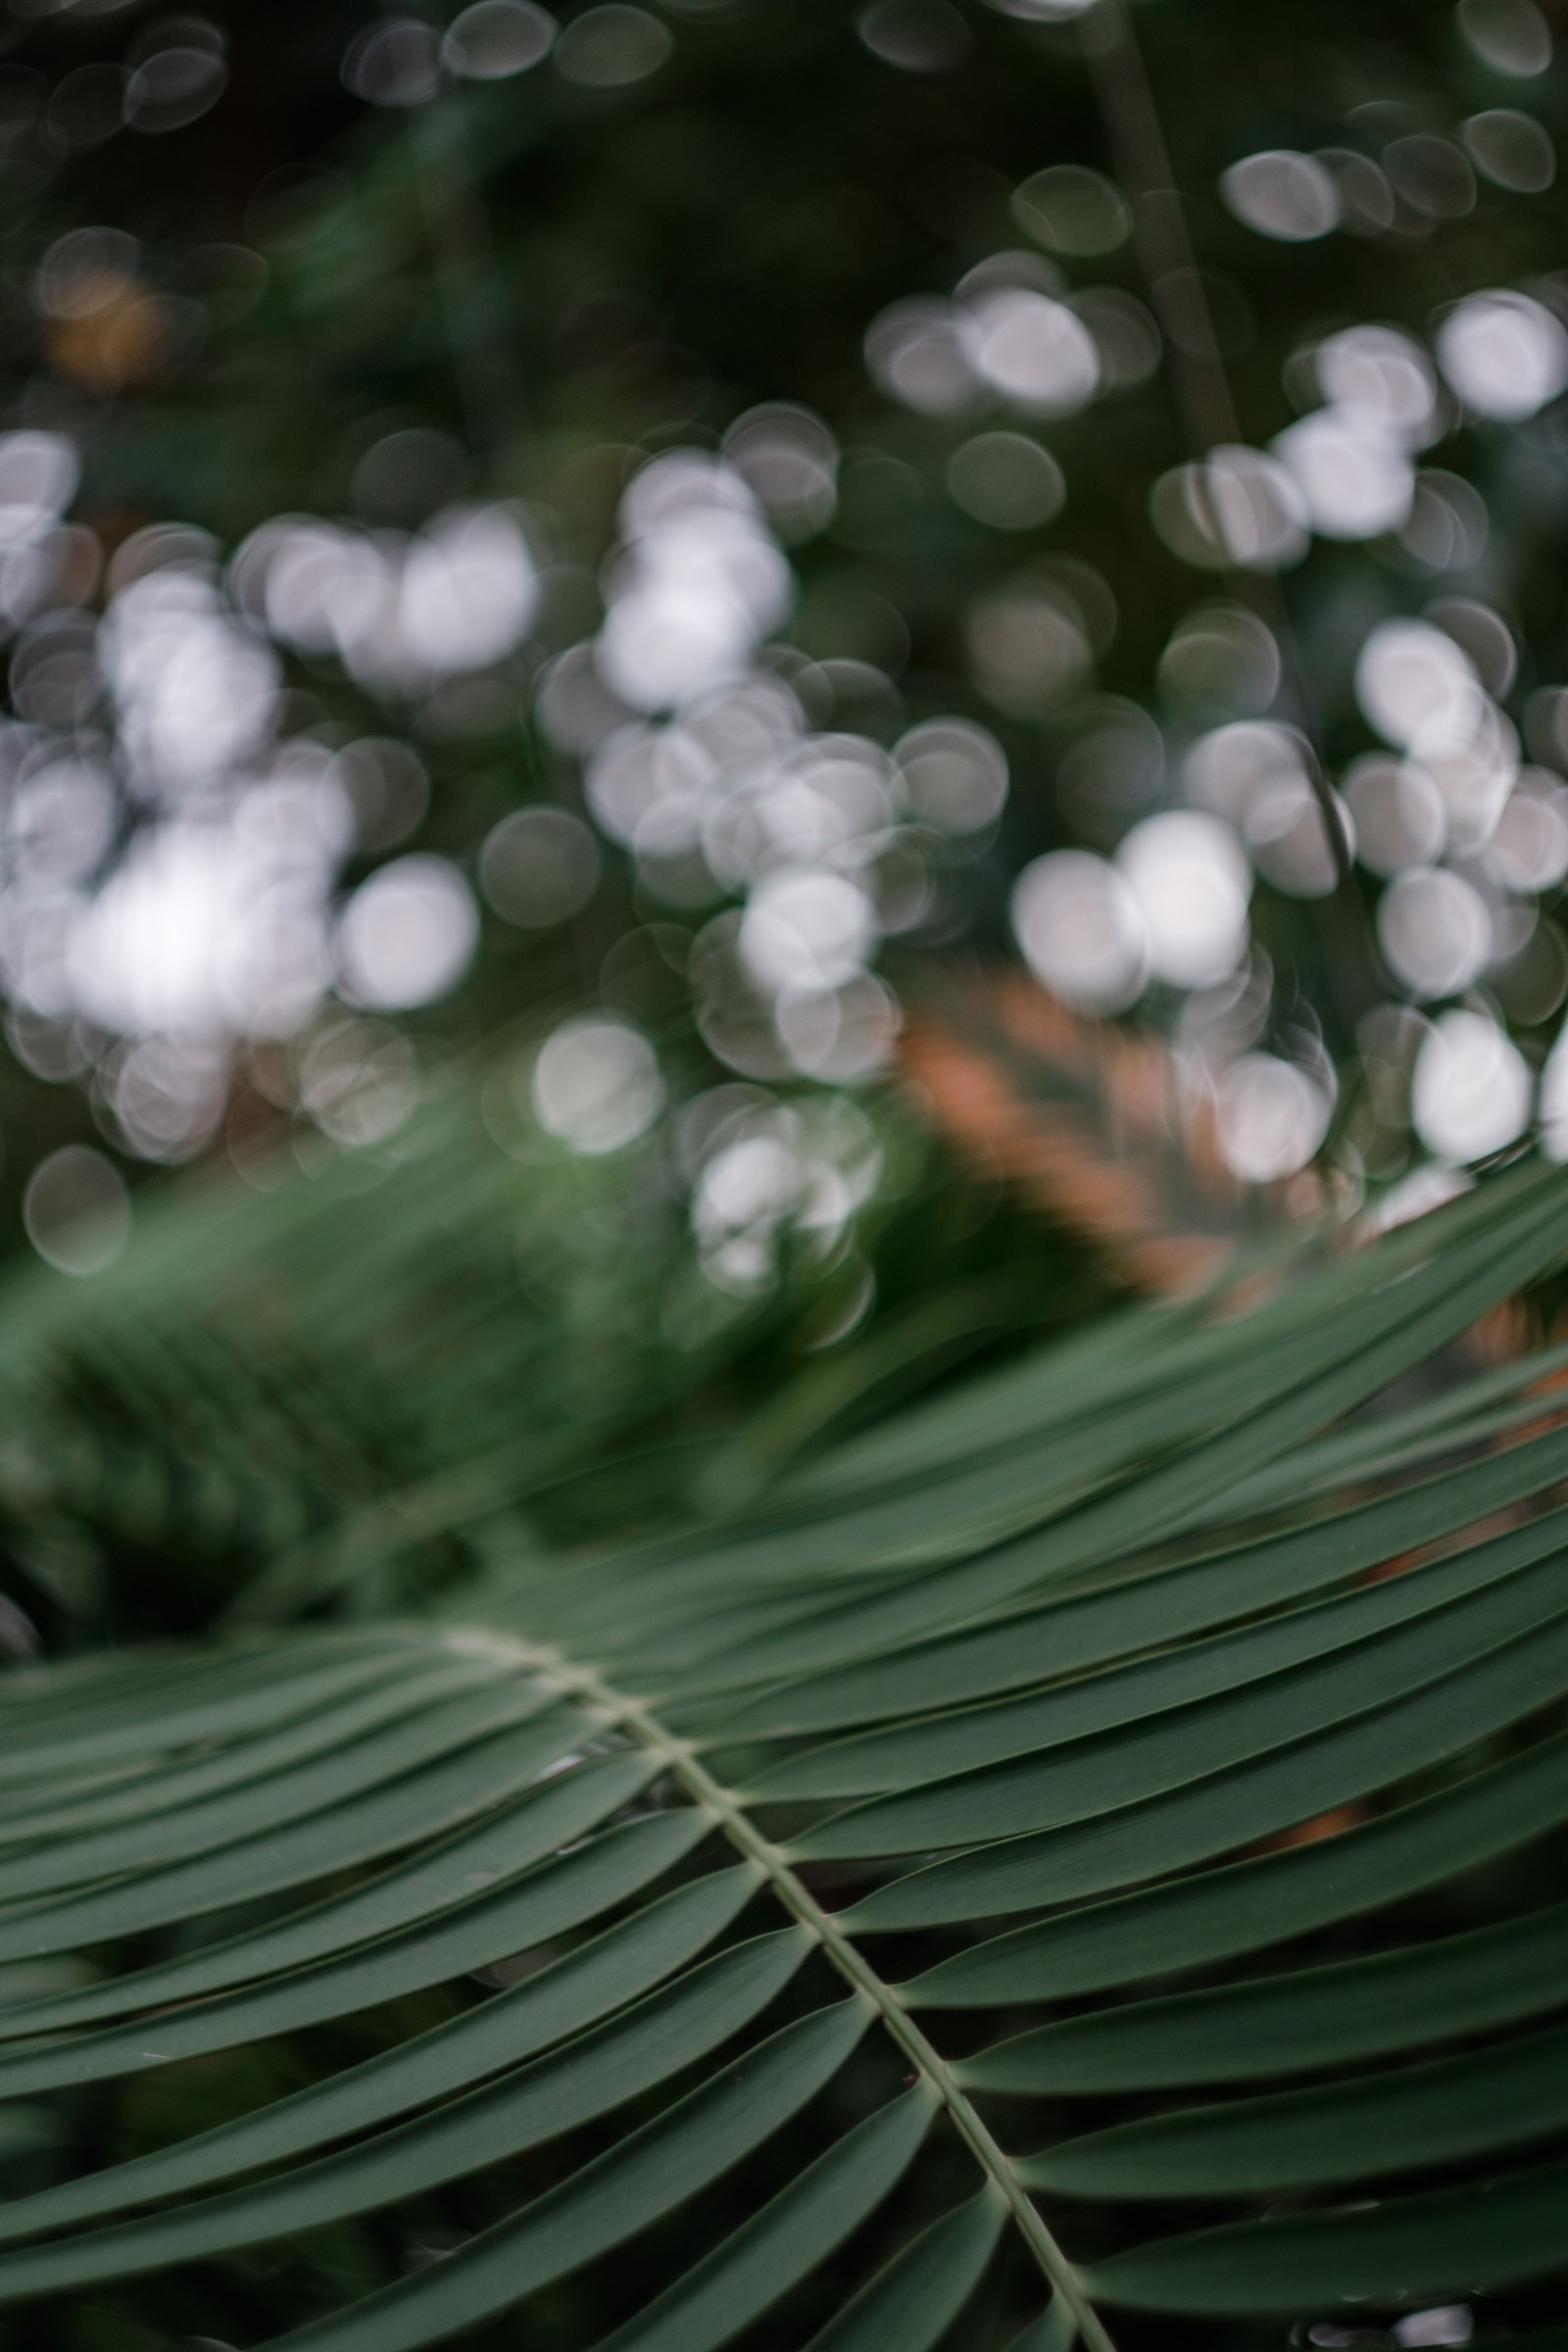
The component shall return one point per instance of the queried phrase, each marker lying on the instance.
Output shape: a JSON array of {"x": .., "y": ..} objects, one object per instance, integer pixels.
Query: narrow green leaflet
[
  {"x": 1484, "y": 2235},
  {"x": 1055, "y": 2330},
  {"x": 1217, "y": 1915},
  {"x": 1160, "y": 1607},
  {"x": 902, "y": 1758},
  {"x": 1139, "y": 1761},
  {"x": 454, "y": 1789},
  {"x": 459, "y": 1869},
  {"x": 1404, "y": 2120},
  {"x": 921, "y": 2291},
  {"x": 224, "y": 1701},
  {"x": 614, "y": 1968},
  {"x": 1286, "y": 2024},
  {"x": 1230, "y": 1809},
  {"x": 1295, "y": 1381},
  {"x": 648, "y": 2174},
  {"x": 166, "y": 1787},
  {"x": 616, "y": 2062},
  {"x": 800, "y": 2226},
  {"x": 420, "y": 1736},
  {"x": 1316, "y": 1378}
]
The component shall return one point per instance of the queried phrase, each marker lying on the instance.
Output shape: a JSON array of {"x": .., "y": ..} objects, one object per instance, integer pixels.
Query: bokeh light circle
[
  {"x": 1471, "y": 1089},
  {"x": 408, "y": 934},
  {"x": 1077, "y": 921},
  {"x": 539, "y": 867},
  {"x": 1435, "y": 931},
  {"x": 1271, "y": 1118},
  {"x": 596, "y": 1086},
  {"x": 77, "y": 1210},
  {"x": 1504, "y": 354},
  {"x": 1282, "y": 194},
  {"x": 1191, "y": 880}
]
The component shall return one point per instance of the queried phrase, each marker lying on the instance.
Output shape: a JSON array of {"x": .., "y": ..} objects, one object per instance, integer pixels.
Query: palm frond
[
  {"x": 1034, "y": 1868},
  {"x": 328, "y": 1392},
  {"x": 1090, "y": 1122}
]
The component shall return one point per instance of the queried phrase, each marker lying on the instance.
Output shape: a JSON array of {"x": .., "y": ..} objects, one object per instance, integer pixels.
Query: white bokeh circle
[
  {"x": 1190, "y": 881},
  {"x": 1077, "y": 921},
  {"x": 408, "y": 934},
  {"x": 596, "y": 1086},
  {"x": 1470, "y": 1091}
]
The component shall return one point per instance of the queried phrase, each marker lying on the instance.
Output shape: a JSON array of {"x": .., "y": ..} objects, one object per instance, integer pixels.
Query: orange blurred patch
[
  {"x": 1332, "y": 1823},
  {"x": 1090, "y": 1122},
  {"x": 123, "y": 339},
  {"x": 1480, "y": 1531}
]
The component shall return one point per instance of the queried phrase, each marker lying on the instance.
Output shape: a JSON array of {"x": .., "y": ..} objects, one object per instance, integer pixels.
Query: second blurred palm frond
[{"x": 1092, "y": 1123}]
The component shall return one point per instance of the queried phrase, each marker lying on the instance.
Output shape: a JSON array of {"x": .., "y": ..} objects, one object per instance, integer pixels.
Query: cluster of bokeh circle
[{"x": 172, "y": 905}]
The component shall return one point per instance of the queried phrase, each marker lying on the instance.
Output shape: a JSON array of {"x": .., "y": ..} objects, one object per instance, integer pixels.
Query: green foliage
[
  {"x": 342, "y": 1390},
  {"x": 1083, "y": 1856},
  {"x": 342, "y": 1379},
  {"x": 547, "y": 281}
]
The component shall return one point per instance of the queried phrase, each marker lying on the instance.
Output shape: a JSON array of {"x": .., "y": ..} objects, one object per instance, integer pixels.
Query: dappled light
[{"x": 191, "y": 866}]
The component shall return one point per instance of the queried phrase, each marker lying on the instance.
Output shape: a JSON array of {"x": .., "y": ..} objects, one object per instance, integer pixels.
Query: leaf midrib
[{"x": 728, "y": 1814}]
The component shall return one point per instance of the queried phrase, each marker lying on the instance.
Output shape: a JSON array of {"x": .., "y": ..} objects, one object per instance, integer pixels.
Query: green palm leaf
[
  {"x": 1034, "y": 1868},
  {"x": 329, "y": 1392}
]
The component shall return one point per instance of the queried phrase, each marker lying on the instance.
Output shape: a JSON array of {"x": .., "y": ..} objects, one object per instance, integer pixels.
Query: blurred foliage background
[
  {"x": 896, "y": 666},
  {"x": 583, "y": 460}
]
